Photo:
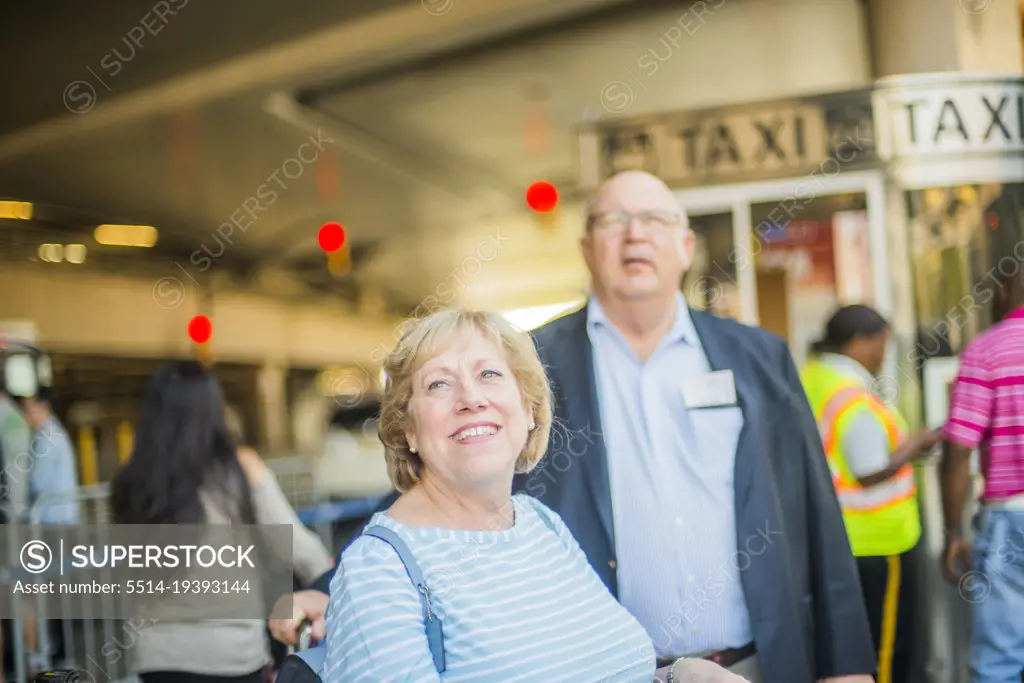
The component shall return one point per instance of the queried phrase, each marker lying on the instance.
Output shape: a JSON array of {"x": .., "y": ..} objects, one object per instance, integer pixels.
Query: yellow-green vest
[{"x": 882, "y": 519}]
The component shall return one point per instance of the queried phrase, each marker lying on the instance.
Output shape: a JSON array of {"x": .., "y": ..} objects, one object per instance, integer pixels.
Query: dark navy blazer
[
  {"x": 800, "y": 579},
  {"x": 801, "y": 585}
]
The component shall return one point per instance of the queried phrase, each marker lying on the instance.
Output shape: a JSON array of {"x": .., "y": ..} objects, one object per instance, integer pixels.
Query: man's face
[{"x": 638, "y": 245}]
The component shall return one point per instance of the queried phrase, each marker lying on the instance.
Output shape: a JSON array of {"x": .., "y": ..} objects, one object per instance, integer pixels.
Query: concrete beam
[
  {"x": 103, "y": 314},
  {"x": 369, "y": 43}
]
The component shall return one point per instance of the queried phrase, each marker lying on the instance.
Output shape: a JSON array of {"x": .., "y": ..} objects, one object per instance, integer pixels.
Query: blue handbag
[{"x": 306, "y": 666}]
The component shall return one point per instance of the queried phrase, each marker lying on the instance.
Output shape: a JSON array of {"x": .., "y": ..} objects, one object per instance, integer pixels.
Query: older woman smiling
[{"x": 467, "y": 405}]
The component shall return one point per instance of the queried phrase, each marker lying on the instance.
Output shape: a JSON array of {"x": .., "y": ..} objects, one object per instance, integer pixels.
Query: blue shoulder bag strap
[{"x": 435, "y": 631}]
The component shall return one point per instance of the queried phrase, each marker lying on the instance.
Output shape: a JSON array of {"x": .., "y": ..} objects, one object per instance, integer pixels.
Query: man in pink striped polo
[{"x": 987, "y": 413}]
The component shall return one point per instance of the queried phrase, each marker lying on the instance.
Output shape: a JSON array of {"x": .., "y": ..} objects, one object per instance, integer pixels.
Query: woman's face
[{"x": 468, "y": 422}]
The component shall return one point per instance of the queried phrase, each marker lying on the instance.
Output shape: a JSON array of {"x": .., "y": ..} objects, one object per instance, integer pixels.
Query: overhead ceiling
[
  {"x": 238, "y": 133},
  {"x": 182, "y": 114}
]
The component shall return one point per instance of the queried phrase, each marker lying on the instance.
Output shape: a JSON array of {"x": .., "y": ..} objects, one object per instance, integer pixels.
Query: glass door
[
  {"x": 810, "y": 262},
  {"x": 783, "y": 254}
]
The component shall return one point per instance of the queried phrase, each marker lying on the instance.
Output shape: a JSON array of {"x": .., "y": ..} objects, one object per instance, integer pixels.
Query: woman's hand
[{"x": 703, "y": 671}]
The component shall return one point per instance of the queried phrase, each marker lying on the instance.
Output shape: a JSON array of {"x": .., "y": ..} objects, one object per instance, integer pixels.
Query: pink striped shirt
[{"x": 987, "y": 405}]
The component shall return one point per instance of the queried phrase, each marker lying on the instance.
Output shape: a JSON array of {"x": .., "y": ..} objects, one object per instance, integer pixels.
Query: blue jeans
[{"x": 997, "y": 640}]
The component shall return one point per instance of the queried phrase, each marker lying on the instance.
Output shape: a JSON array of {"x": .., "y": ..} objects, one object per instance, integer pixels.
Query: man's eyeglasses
[{"x": 617, "y": 221}]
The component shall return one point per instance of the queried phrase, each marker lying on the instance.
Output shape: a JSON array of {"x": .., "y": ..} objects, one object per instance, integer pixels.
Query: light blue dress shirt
[
  {"x": 53, "y": 474},
  {"x": 671, "y": 478}
]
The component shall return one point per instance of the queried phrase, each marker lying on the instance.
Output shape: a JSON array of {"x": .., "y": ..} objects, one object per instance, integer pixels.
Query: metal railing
[
  {"x": 99, "y": 646},
  {"x": 82, "y": 641},
  {"x": 296, "y": 475}
]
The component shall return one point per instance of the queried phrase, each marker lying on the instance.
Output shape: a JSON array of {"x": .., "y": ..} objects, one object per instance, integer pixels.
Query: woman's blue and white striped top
[{"x": 521, "y": 604}]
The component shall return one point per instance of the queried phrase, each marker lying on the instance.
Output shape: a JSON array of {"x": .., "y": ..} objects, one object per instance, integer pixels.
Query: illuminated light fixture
[
  {"x": 126, "y": 235},
  {"x": 51, "y": 253},
  {"x": 542, "y": 196},
  {"x": 331, "y": 237},
  {"x": 58, "y": 253},
  {"x": 200, "y": 329},
  {"x": 339, "y": 262},
  {"x": 550, "y": 220},
  {"x": 527, "y": 319},
  {"x": 75, "y": 253},
  {"x": 18, "y": 211},
  {"x": 967, "y": 194},
  {"x": 204, "y": 353},
  {"x": 992, "y": 220}
]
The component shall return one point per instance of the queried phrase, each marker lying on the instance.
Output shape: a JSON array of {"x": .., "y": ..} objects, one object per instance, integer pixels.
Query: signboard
[
  {"x": 750, "y": 142},
  {"x": 805, "y": 248},
  {"x": 940, "y": 116}
]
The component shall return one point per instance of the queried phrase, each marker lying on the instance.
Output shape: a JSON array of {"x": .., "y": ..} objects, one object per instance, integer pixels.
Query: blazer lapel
[
  {"x": 576, "y": 360},
  {"x": 723, "y": 354}
]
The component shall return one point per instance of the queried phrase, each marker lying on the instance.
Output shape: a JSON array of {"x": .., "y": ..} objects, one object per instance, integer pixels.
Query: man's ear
[
  {"x": 686, "y": 243},
  {"x": 587, "y": 249}
]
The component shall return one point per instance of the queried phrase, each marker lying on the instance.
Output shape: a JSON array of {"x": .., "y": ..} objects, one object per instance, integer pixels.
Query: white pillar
[
  {"x": 973, "y": 36},
  {"x": 310, "y": 412},
  {"x": 273, "y": 408}
]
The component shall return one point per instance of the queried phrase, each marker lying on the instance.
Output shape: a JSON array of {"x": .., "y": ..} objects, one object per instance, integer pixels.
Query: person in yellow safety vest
[{"x": 869, "y": 454}]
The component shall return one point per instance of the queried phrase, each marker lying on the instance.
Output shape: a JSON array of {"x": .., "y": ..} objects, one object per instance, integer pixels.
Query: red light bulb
[
  {"x": 200, "y": 329},
  {"x": 331, "y": 237},
  {"x": 542, "y": 196}
]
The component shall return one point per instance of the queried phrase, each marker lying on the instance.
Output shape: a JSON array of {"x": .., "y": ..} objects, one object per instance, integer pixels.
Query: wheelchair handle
[{"x": 305, "y": 635}]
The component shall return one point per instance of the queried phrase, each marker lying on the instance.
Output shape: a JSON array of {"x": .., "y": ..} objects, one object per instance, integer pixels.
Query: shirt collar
[
  {"x": 849, "y": 366},
  {"x": 682, "y": 330}
]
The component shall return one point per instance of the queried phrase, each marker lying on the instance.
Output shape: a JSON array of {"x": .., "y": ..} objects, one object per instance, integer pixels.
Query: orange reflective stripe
[
  {"x": 837, "y": 402},
  {"x": 869, "y": 501},
  {"x": 905, "y": 476},
  {"x": 852, "y": 496},
  {"x": 841, "y": 402},
  {"x": 829, "y": 415}
]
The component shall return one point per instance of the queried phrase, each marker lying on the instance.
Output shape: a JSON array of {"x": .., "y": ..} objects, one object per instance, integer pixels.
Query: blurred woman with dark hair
[{"x": 186, "y": 469}]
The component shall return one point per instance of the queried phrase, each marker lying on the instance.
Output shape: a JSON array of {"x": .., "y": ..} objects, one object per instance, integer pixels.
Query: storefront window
[
  {"x": 961, "y": 239},
  {"x": 808, "y": 262}
]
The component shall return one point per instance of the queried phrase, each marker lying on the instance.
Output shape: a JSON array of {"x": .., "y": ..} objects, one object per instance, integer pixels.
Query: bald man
[{"x": 690, "y": 468}]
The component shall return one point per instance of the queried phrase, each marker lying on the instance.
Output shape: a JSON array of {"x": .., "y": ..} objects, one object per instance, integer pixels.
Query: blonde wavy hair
[{"x": 427, "y": 338}]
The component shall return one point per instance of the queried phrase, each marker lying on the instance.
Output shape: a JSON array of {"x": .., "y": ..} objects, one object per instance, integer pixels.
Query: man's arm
[
  {"x": 866, "y": 449},
  {"x": 956, "y": 480},
  {"x": 970, "y": 415},
  {"x": 843, "y": 644}
]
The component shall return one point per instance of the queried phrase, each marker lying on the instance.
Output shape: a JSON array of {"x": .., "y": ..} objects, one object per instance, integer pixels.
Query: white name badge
[{"x": 713, "y": 389}]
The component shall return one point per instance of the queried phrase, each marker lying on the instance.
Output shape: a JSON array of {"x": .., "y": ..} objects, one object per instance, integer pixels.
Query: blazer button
[{"x": 611, "y": 563}]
